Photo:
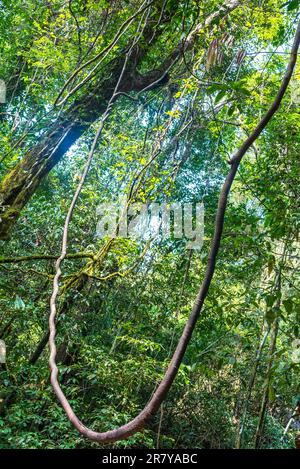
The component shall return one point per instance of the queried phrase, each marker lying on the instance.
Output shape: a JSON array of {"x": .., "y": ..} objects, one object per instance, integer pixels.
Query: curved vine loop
[{"x": 159, "y": 395}]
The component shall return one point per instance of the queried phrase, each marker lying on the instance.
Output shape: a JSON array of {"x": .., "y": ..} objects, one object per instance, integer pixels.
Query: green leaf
[
  {"x": 270, "y": 300},
  {"x": 270, "y": 316},
  {"x": 220, "y": 96},
  {"x": 217, "y": 87},
  {"x": 230, "y": 111},
  {"x": 288, "y": 305}
]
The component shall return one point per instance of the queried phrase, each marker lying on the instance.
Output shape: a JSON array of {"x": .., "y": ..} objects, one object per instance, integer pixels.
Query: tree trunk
[
  {"x": 272, "y": 349},
  {"x": 265, "y": 399},
  {"x": 246, "y": 402}
]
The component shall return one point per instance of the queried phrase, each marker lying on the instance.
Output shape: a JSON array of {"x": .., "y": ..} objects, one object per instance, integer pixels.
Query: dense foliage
[{"x": 198, "y": 77}]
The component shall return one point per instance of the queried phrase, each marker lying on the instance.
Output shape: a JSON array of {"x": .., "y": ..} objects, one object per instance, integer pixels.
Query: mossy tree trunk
[{"x": 21, "y": 182}]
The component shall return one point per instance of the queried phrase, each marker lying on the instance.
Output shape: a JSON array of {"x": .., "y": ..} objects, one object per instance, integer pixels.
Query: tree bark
[
  {"x": 265, "y": 398},
  {"x": 249, "y": 390}
]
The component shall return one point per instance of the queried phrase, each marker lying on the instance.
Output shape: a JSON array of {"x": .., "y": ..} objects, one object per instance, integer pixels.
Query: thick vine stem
[{"x": 159, "y": 395}]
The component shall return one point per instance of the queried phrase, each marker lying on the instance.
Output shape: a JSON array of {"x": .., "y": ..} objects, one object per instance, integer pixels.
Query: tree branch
[{"x": 39, "y": 257}]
